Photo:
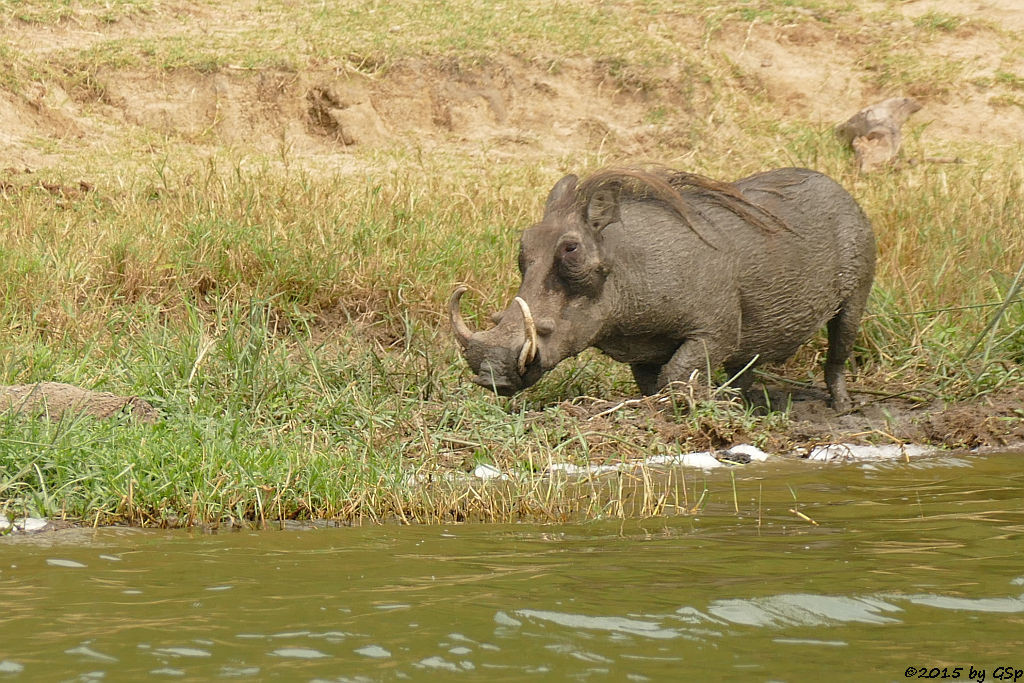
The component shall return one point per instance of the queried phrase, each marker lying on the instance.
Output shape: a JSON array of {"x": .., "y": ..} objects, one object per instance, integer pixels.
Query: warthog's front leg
[
  {"x": 646, "y": 377},
  {"x": 692, "y": 360}
]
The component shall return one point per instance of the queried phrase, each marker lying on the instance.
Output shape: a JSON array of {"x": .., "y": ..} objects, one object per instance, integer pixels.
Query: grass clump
[{"x": 939, "y": 21}]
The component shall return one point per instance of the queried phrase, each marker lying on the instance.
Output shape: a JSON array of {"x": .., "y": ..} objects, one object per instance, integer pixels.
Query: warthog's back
[{"x": 793, "y": 280}]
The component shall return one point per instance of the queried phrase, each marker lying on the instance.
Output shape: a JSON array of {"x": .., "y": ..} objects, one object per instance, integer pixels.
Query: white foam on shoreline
[
  {"x": 22, "y": 524},
  {"x": 845, "y": 452},
  {"x": 740, "y": 453}
]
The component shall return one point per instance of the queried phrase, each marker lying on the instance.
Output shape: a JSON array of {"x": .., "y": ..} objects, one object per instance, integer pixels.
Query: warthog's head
[
  {"x": 557, "y": 311},
  {"x": 505, "y": 358}
]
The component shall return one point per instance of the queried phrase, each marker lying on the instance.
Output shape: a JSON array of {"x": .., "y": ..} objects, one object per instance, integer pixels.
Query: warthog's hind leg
[{"x": 842, "y": 332}]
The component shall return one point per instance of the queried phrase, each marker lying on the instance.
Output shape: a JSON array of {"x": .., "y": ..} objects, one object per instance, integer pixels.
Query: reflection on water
[
  {"x": 909, "y": 564},
  {"x": 802, "y": 610}
]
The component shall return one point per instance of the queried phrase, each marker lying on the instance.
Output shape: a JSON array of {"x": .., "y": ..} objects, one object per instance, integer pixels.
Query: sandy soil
[{"x": 806, "y": 71}]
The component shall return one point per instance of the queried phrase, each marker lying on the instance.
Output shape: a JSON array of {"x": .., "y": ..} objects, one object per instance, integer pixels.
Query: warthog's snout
[
  {"x": 504, "y": 357},
  {"x": 492, "y": 376}
]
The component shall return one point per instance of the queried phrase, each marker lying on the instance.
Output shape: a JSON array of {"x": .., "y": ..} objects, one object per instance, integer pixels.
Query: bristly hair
[{"x": 666, "y": 185}]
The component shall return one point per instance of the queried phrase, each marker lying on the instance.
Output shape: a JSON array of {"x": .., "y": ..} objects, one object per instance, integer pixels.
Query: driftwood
[
  {"x": 874, "y": 132},
  {"x": 54, "y": 400}
]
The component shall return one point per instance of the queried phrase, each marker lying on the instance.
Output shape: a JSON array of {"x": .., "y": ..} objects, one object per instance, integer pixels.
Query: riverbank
[{"x": 251, "y": 220}]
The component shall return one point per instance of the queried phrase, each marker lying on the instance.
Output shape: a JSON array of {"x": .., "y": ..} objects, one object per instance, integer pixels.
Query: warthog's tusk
[
  {"x": 529, "y": 350},
  {"x": 462, "y": 332}
]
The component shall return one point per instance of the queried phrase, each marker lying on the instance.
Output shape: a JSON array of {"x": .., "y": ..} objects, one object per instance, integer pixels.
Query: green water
[{"x": 910, "y": 565}]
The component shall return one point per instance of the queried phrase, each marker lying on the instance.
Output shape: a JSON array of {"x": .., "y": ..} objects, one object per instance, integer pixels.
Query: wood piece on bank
[
  {"x": 874, "y": 132},
  {"x": 55, "y": 399}
]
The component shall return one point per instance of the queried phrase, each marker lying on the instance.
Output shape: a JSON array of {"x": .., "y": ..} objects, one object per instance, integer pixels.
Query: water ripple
[
  {"x": 618, "y": 624},
  {"x": 803, "y": 609}
]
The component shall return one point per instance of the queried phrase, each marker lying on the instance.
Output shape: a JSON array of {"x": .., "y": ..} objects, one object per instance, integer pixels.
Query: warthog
[{"x": 674, "y": 273}]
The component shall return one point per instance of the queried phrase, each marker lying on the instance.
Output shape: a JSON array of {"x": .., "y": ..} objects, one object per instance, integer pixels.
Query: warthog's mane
[{"x": 667, "y": 185}]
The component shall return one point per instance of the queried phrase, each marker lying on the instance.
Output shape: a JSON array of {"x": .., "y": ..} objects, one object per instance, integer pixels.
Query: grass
[
  {"x": 287, "y": 318},
  {"x": 261, "y": 427},
  {"x": 939, "y": 21},
  {"x": 61, "y": 11}
]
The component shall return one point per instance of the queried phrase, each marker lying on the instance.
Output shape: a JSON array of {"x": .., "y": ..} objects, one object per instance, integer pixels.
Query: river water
[{"x": 892, "y": 566}]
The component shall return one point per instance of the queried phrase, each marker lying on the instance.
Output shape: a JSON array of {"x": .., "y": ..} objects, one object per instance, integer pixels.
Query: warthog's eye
[
  {"x": 572, "y": 262},
  {"x": 569, "y": 248}
]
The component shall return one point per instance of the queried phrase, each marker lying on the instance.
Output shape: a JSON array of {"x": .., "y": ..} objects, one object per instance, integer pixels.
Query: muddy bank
[{"x": 993, "y": 421}]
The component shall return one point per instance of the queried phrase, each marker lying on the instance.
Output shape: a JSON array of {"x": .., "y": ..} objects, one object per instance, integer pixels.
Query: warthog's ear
[
  {"x": 563, "y": 193},
  {"x": 603, "y": 207}
]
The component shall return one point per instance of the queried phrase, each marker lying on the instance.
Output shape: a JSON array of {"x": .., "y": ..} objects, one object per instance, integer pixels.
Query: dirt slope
[{"x": 814, "y": 71}]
